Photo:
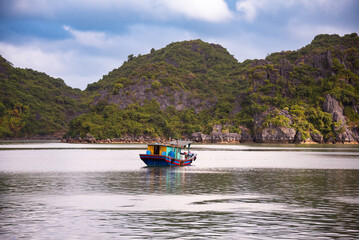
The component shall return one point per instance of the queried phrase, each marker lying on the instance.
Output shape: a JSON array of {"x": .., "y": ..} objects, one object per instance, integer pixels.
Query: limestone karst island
[{"x": 198, "y": 91}]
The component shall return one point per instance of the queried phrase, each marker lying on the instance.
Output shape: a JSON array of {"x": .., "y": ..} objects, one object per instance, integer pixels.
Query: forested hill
[
  {"x": 197, "y": 90},
  {"x": 34, "y": 105}
]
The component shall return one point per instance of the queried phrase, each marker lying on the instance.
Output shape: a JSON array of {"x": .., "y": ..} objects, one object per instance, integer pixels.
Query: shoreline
[{"x": 160, "y": 140}]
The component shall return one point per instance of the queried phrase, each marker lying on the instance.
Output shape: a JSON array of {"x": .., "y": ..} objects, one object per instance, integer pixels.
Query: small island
[{"x": 198, "y": 91}]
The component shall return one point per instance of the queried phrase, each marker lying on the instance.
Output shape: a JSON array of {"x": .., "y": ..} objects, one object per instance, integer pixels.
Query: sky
[{"x": 79, "y": 41}]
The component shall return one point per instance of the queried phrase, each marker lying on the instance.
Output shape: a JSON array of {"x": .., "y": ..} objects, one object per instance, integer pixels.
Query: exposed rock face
[
  {"x": 218, "y": 136},
  {"x": 332, "y": 106},
  {"x": 139, "y": 91},
  {"x": 323, "y": 62},
  {"x": 246, "y": 135},
  {"x": 346, "y": 137},
  {"x": 343, "y": 133},
  {"x": 317, "y": 137},
  {"x": 285, "y": 67},
  {"x": 275, "y": 134},
  {"x": 200, "y": 137},
  {"x": 272, "y": 133}
]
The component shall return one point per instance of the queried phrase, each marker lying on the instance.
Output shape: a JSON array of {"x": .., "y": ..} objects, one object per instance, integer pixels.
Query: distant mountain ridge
[{"x": 197, "y": 90}]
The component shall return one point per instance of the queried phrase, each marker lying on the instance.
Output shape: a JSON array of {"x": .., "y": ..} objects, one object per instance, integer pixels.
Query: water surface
[{"x": 52, "y": 190}]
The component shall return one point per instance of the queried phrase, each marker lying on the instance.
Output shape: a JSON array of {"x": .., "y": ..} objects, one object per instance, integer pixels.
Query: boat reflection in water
[{"x": 166, "y": 179}]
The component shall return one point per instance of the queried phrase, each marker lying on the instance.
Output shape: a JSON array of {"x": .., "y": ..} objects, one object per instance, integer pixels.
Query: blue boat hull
[{"x": 165, "y": 161}]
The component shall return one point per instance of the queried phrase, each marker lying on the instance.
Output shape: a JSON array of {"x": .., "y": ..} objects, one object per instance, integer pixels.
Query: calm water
[{"x": 76, "y": 191}]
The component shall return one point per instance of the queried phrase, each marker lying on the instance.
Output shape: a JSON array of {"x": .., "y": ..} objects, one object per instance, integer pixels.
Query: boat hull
[{"x": 165, "y": 161}]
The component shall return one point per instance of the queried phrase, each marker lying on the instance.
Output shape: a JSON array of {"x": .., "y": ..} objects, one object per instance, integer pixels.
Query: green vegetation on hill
[
  {"x": 34, "y": 104},
  {"x": 189, "y": 87},
  {"x": 191, "y": 66},
  {"x": 183, "y": 88}
]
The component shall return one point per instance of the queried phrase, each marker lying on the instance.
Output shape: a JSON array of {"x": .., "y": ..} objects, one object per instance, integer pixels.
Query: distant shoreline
[{"x": 159, "y": 140}]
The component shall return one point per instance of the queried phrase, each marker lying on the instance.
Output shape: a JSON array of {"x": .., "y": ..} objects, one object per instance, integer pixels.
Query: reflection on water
[{"x": 104, "y": 194}]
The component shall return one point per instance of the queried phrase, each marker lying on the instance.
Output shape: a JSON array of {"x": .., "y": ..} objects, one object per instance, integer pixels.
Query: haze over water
[{"x": 53, "y": 190}]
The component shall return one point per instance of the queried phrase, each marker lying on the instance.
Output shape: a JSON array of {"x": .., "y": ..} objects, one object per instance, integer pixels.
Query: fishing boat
[{"x": 174, "y": 153}]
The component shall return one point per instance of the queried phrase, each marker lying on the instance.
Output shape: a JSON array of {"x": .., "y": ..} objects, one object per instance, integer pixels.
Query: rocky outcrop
[
  {"x": 274, "y": 134},
  {"x": 342, "y": 133},
  {"x": 219, "y": 136},
  {"x": 317, "y": 137},
  {"x": 323, "y": 62},
  {"x": 200, "y": 137},
  {"x": 285, "y": 67},
  {"x": 269, "y": 133},
  {"x": 331, "y": 105},
  {"x": 246, "y": 135}
]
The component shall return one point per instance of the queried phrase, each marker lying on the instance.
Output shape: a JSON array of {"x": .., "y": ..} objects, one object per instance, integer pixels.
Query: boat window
[{"x": 156, "y": 150}]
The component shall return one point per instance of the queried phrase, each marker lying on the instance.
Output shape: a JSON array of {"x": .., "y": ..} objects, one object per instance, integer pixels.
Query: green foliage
[
  {"x": 32, "y": 103},
  {"x": 156, "y": 85},
  {"x": 352, "y": 115},
  {"x": 117, "y": 87},
  {"x": 276, "y": 120},
  {"x": 198, "y": 85},
  {"x": 149, "y": 120}
]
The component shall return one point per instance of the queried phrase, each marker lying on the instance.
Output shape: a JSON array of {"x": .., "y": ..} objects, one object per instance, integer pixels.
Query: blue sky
[{"x": 81, "y": 40}]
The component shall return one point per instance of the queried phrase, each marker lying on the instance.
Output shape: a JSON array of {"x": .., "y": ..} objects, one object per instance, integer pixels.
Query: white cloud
[
  {"x": 246, "y": 46},
  {"x": 89, "y": 38},
  {"x": 306, "y": 33},
  {"x": 34, "y": 7},
  {"x": 252, "y": 8},
  {"x": 207, "y": 10},
  {"x": 32, "y": 56},
  {"x": 248, "y": 8},
  {"x": 204, "y": 10},
  {"x": 76, "y": 69},
  {"x": 322, "y": 5},
  {"x": 87, "y": 56}
]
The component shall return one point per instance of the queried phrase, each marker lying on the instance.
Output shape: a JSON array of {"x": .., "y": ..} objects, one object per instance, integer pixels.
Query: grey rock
[
  {"x": 276, "y": 135},
  {"x": 218, "y": 137},
  {"x": 317, "y": 137},
  {"x": 285, "y": 67},
  {"x": 89, "y": 138},
  {"x": 331, "y": 105},
  {"x": 245, "y": 135},
  {"x": 200, "y": 137},
  {"x": 217, "y": 128},
  {"x": 347, "y": 136},
  {"x": 342, "y": 133}
]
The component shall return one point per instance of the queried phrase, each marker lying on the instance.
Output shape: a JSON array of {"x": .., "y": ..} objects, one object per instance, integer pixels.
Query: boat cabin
[{"x": 172, "y": 149}]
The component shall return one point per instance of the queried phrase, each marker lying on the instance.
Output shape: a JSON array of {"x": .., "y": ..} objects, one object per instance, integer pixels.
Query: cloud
[
  {"x": 33, "y": 56},
  {"x": 86, "y": 56},
  {"x": 88, "y": 38},
  {"x": 306, "y": 32},
  {"x": 33, "y": 7},
  {"x": 81, "y": 40},
  {"x": 250, "y": 9},
  {"x": 207, "y": 10},
  {"x": 242, "y": 48},
  {"x": 76, "y": 68},
  {"x": 203, "y": 10}
]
